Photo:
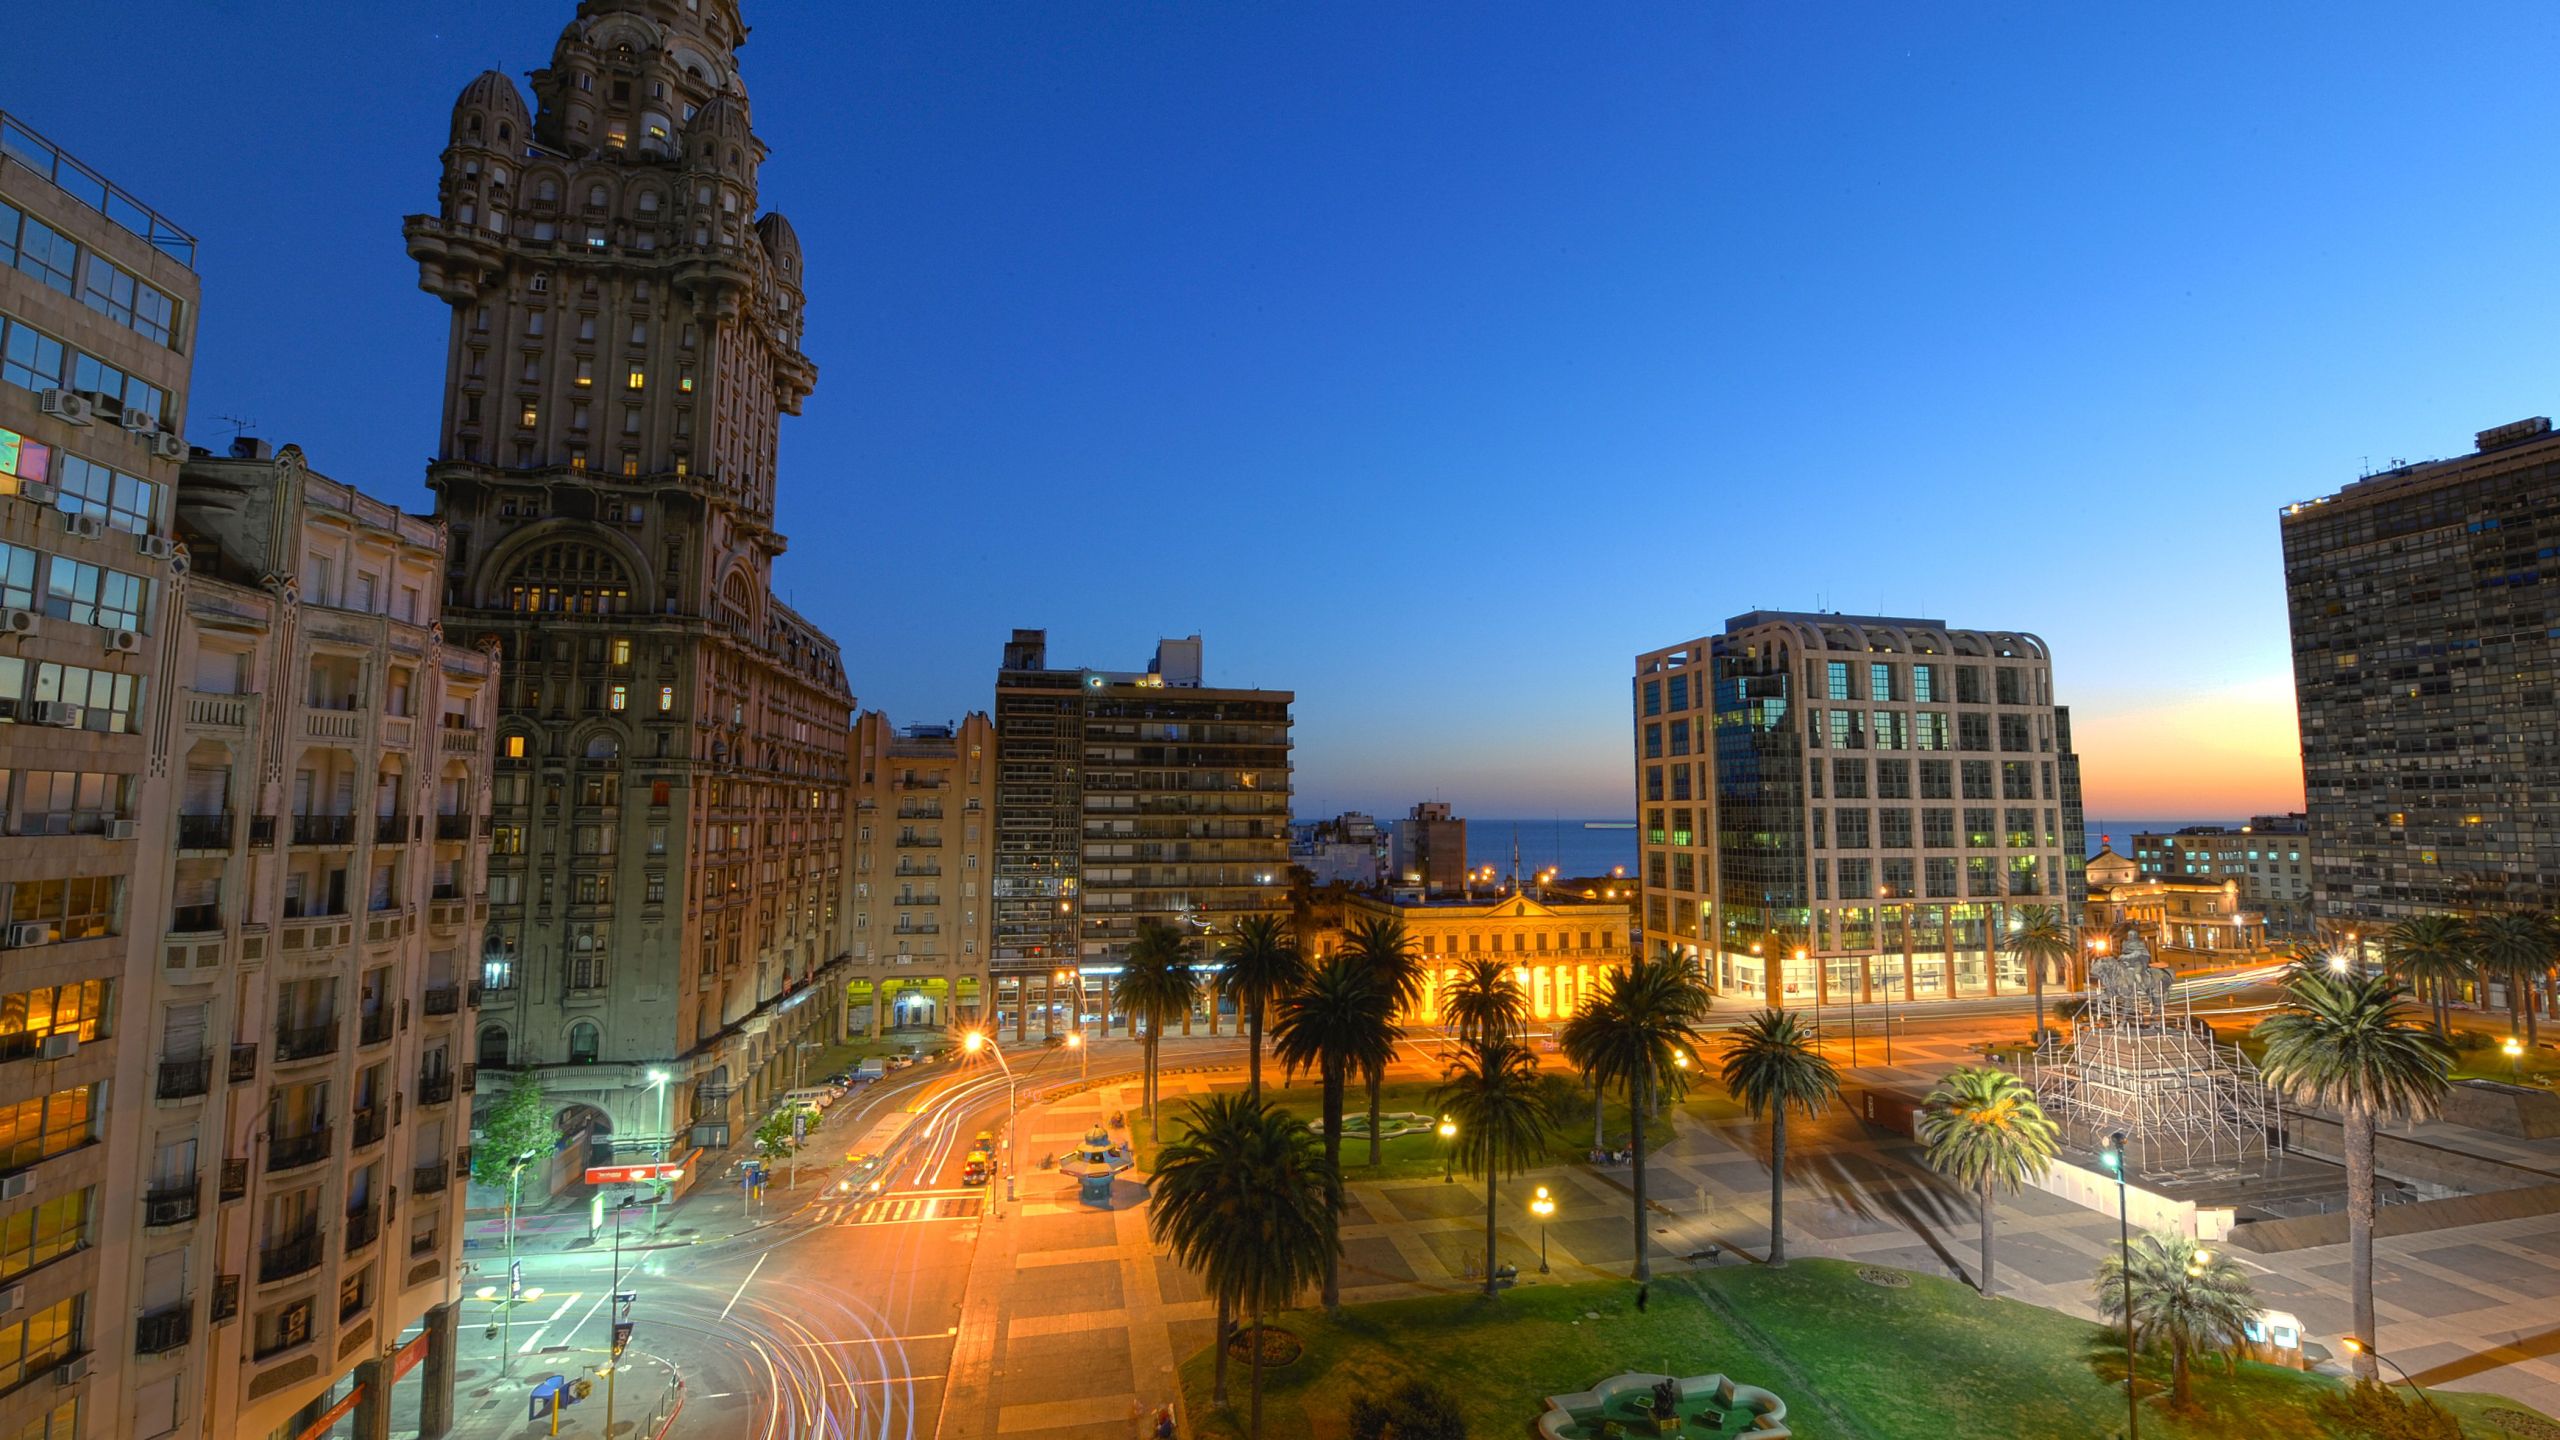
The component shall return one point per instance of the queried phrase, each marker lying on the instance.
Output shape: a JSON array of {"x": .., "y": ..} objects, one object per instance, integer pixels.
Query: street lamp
[
  {"x": 658, "y": 1081},
  {"x": 1084, "y": 1056},
  {"x": 1543, "y": 1206},
  {"x": 1448, "y": 1150},
  {"x": 2515, "y": 1057},
  {"x": 2111, "y": 1159},
  {"x": 2355, "y": 1346},
  {"x": 515, "y": 1277},
  {"x": 621, "y": 1316},
  {"x": 971, "y": 1043}
]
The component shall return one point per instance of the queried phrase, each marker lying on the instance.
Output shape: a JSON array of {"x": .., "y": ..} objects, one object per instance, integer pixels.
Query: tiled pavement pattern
[{"x": 1073, "y": 1323}]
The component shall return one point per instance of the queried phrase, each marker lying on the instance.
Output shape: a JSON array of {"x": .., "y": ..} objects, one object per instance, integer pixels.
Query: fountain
[{"x": 1095, "y": 1164}]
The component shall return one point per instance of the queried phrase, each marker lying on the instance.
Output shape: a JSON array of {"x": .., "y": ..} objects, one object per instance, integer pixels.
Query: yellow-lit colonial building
[{"x": 1558, "y": 945}]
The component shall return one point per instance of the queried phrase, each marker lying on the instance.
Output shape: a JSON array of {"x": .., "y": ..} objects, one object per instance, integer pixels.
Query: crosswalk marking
[{"x": 900, "y": 1210}]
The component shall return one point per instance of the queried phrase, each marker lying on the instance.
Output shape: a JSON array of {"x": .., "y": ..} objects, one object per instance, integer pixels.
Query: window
[
  {"x": 111, "y": 291},
  {"x": 684, "y": 381},
  {"x": 515, "y": 747},
  {"x": 637, "y": 380},
  {"x": 48, "y": 255},
  {"x": 31, "y": 359},
  {"x": 621, "y": 652},
  {"x": 572, "y": 578},
  {"x": 79, "y": 1008},
  {"x": 41, "y": 1127},
  {"x": 586, "y": 376},
  {"x": 109, "y": 700},
  {"x": 123, "y": 501},
  {"x": 69, "y": 802},
  {"x": 585, "y": 1040},
  {"x": 48, "y": 1232},
  {"x": 1836, "y": 673},
  {"x": 41, "y": 1341},
  {"x": 22, "y": 459},
  {"x": 666, "y": 699},
  {"x": 86, "y": 594},
  {"x": 1880, "y": 681},
  {"x": 619, "y": 698},
  {"x": 17, "y": 577}
]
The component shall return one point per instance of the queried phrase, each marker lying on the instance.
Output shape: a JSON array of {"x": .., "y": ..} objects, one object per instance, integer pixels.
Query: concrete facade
[
  {"x": 923, "y": 871},
  {"x": 667, "y": 883},
  {"x": 2270, "y": 857}
]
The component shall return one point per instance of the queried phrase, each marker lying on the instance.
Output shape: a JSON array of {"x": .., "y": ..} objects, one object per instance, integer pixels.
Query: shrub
[
  {"x": 2377, "y": 1412},
  {"x": 1415, "y": 1410}
]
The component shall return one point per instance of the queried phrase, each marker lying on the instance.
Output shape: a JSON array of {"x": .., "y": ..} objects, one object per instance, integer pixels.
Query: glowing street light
[
  {"x": 2514, "y": 1049},
  {"x": 2354, "y": 1346},
  {"x": 1543, "y": 1206},
  {"x": 1448, "y": 1150},
  {"x": 971, "y": 1042}
]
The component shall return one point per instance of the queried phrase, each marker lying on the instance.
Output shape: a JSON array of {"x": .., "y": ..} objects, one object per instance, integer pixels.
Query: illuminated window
[
  {"x": 666, "y": 698},
  {"x": 621, "y": 698},
  {"x": 586, "y": 374},
  {"x": 682, "y": 466},
  {"x": 639, "y": 380},
  {"x": 684, "y": 382},
  {"x": 621, "y": 652},
  {"x": 577, "y": 459},
  {"x": 630, "y": 462},
  {"x": 515, "y": 747},
  {"x": 531, "y": 417}
]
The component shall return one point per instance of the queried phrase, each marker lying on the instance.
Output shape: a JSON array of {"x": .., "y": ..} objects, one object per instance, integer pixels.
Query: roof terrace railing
[{"x": 94, "y": 190}]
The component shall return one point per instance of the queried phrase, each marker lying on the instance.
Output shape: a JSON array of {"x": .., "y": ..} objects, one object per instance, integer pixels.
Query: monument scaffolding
[{"x": 2139, "y": 1061}]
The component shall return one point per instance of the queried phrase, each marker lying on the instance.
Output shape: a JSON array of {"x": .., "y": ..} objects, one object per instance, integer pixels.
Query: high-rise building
[
  {"x": 1839, "y": 805},
  {"x": 97, "y": 321},
  {"x": 1123, "y": 797},
  {"x": 667, "y": 875},
  {"x": 924, "y": 830},
  {"x": 2423, "y": 669},
  {"x": 1431, "y": 848},
  {"x": 308, "y": 1005}
]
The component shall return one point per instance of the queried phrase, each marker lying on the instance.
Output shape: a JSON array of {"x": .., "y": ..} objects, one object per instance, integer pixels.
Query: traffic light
[
  {"x": 2111, "y": 1158},
  {"x": 621, "y": 1337}
]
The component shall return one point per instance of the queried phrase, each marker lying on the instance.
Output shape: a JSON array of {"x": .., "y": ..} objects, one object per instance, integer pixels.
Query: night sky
[{"x": 1434, "y": 359}]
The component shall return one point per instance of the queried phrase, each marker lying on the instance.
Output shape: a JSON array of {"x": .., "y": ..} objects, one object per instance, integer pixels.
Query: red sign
[
  {"x": 320, "y": 1427},
  {"x": 623, "y": 1174},
  {"x": 408, "y": 1356}
]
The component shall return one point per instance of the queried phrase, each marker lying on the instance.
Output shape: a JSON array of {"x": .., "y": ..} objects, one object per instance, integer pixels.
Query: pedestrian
[
  {"x": 1164, "y": 1422},
  {"x": 1644, "y": 1295}
]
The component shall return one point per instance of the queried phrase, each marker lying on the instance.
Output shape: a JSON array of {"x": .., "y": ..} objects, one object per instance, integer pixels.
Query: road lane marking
[
  {"x": 880, "y": 1340},
  {"x": 743, "y": 1284},
  {"x": 535, "y": 1338}
]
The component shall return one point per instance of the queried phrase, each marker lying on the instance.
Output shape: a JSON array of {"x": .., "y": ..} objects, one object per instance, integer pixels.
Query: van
[{"x": 814, "y": 1099}]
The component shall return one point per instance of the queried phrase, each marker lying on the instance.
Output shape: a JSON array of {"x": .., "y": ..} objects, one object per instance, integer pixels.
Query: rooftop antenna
[{"x": 239, "y": 425}]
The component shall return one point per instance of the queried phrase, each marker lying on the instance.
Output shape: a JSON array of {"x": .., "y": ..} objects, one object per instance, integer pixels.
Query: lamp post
[
  {"x": 2514, "y": 1049},
  {"x": 1543, "y": 1206},
  {"x": 1448, "y": 1150},
  {"x": 515, "y": 1278},
  {"x": 2355, "y": 1346},
  {"x": 1084, "y": 1056},
  {"x": 621, "y": 1317},
  {"x": 972, "y": 1043},
  {"x": 2112, "y": 1160}
]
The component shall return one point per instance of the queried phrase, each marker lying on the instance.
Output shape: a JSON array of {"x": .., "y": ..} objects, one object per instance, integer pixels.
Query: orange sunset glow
[{"x": 2222, "y": 753}]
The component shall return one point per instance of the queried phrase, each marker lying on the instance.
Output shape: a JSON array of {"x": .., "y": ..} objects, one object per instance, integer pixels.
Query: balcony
[
  {"x": 204, "y": 832},
  {"x": 918, "y": 838},
  {"x": 443, "y": 999},
  {"x": 362, "y": 1229},
  {"x": 244, "y": 1064},
  {"x": 262, "y": 832},
  {"x": 162, "y": 1331},
  {"x": 390, "y": 829},
  {"x": 287, "y": 1152},
  {"x": 346, "y": 725},
  {"x": 324, "y": 829},
  {"x": 369, "y": 1126},
  {"x": 435, "y": 1089},
  {"x": 207, "y": 711},
  {"x": 185, "y": 1079},
  {"x": 307, "y": 1042},
  {"x": 453, "y": 741},
  {"x": 235, "y": 1180},
  {"x": 287, "y": 1258},
  {"x": 926, "y": 899},
  {"x": 195, "y": 919},
  {"x": 172, "y": 1204},
  {"x": 374, "y": 1029},
  {"x": 428, "y": 1179},
  {"x": 453, "y": 827}
]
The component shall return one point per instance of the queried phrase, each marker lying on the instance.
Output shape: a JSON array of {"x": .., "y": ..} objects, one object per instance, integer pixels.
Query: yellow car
[{"x": 978, "y": 1169}]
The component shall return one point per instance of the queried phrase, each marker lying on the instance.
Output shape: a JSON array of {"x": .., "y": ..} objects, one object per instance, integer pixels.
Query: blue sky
[{"x": 1434, "y": 359}]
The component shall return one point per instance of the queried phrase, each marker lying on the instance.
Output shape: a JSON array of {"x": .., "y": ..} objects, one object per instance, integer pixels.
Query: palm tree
[
  {"x": 1337, "y": 1023},
  {"x": 1481, "y": 1001},
  {"x": 1578, "y": 1038},
  {"x": 1243, "y": 1198},
  {"x": 1261, "y": 966},
  {"x": 2196, "y": 1300},
  {"x": 2350, "y": 1042},
  {"x": 1983, "y": 1128},
  {"x": 2433, "y": 953},
  {"x": 1156, "y": 983},
  {"x": 2515, "y": 946},
  {"x": 1645, "y": 1018},
  {"x": 1503, "y": 1120},
  {"x": 2042, "y": 940},
  {"x": 1379, "y": 945},
  {"x": 1770, "y": 1065}
]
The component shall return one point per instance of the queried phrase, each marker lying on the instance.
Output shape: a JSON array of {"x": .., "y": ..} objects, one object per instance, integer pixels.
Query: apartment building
[
  {"x": 2423, "y": 671},
  {"x": 1122, "y": 797},
  {"x": 1430, "y": 848},
  {"x": 1837, "y": 805},
  {"x": 98, "y": 314},
  {"x": 308, "y": 998},
  {"x": 923, "y": 872},
  {"x": 667, "y": 888},
  {"x": 2270, "y": 858}
]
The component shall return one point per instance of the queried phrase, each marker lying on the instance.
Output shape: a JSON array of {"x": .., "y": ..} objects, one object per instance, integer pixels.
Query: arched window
[
  {"x": 493, "y": 1044},
  {"x": 584, "y": 1041},
  {"x": 569, "y": 578}
]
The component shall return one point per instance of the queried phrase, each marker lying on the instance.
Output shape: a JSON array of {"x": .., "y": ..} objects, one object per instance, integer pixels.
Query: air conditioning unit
[
  {"x": 158, "y": 547},
  {"x": 124, "y": 642},
  {"x": 17, "y": 622},
  {"x": 67, "y": 406},
  {"x": 14, "y": 1186},
  {"x": 88, "y": 527},
  {"x": 72, "y": 1371},
  {"x": 62, "y": 1044},
  {"x": 37, "y": 492},
  {"x": 120, "y": 830},
  {"x": 169, "y": 445},
  {"x": 140, "y": 421},
  {"x": 20, "y": 937},
  {"x": 12, "y": 1298},
  {"x": 60, "y": 714}
]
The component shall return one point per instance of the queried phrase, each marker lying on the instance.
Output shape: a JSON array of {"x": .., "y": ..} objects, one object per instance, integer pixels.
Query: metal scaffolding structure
[{"x": 2140, "y": 1062}]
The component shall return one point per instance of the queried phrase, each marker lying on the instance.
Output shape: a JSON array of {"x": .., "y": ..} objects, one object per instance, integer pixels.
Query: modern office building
[
  {"x": 1125, "y": 796},
  {"x": 1838, "y": 805},
  {"x": 1430, "y": 849},
  {"x": 2424, "y": 669},
  {"x": 1558, "y": 945},
  {"x": 923, "y": 867},
  {"x": 308, "y": 1003},
  {"x": 2270, "y": 856},
  {"x": 97, "y": 323},
  {"x": 666, "y": 888}
]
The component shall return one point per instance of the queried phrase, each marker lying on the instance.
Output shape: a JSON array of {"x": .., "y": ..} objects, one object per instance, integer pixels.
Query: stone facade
[
  {"x": 923, "y": 870},
  {"x": 667, "y": 883},
  {"x": 1558, "y": 946}
]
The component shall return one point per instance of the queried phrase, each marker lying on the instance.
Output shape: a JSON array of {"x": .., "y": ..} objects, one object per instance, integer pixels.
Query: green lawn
[
  {"x": 1853, "y": 1361},
  {"x": 1412, "y": 1157}
]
